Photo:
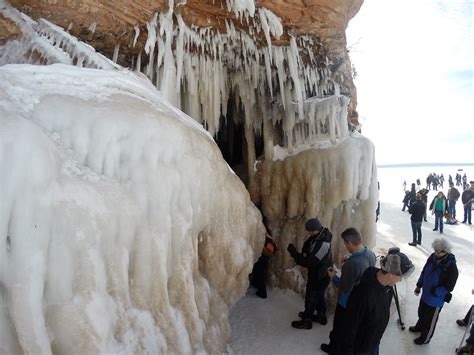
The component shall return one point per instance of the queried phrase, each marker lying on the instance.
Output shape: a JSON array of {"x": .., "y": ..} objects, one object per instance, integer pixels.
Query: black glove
[
  {"x": 433, "y": 291},
  {"x": 291, "y": 249},
  {"x": 448, "y": 297}
]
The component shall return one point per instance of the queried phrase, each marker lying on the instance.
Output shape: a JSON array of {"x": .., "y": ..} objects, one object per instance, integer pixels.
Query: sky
[{"x": 415, "y": 63}]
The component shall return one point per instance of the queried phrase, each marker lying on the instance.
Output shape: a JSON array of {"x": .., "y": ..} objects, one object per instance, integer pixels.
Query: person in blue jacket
[{"x": 437, "y": 280}]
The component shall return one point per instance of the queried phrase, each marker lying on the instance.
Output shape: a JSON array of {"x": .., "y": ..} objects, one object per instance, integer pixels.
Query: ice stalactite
[
  {"x": 45, "y": 43},
  {"x": 115, "y": 219}
]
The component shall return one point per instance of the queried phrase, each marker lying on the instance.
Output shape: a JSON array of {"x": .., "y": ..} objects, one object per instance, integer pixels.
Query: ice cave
[{"x": 141, "y": 148}]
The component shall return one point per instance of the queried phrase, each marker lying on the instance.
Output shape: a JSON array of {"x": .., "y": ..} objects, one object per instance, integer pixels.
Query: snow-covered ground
[{"x": 263, "y": 326}]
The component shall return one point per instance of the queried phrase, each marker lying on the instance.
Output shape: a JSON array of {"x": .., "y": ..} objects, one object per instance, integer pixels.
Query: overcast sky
[{"x": 415, "y": 63}]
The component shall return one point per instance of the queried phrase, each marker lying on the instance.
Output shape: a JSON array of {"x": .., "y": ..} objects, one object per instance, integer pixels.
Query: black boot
[
  {"x": 302, "y": 324},
  {"x": 321, "y": 319}
]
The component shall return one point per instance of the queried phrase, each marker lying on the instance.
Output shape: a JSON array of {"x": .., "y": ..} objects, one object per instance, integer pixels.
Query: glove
[
  {"x": 448, "y": 297},
  {"x": 291, "y": 249},
  {"x": 433, "y": 291}
]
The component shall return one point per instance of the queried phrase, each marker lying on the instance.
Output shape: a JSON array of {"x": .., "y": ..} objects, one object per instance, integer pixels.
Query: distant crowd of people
[
  {"x": 365, "y": 291},
  {"x": 442, "y": 206}
]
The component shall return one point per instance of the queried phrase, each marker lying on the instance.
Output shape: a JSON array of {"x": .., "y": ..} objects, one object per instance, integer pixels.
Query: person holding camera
[
  {"x": 316, "y": 257},
  {"x": 353, "y": 267},
  {"x": 437, "y": 279},
  {"x": 368, "y": 308}
]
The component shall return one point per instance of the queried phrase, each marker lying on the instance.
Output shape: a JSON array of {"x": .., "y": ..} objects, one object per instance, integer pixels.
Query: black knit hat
[{"x": 313, "y": 224}]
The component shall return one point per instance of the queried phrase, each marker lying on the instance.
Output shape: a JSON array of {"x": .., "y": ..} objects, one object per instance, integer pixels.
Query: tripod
[{"x": 397, "y": 303}]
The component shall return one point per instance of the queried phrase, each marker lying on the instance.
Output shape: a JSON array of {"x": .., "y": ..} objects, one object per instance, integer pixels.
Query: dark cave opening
[{"x": 232, "y": 142}]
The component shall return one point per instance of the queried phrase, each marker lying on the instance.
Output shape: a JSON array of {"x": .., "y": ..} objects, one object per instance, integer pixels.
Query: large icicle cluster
[
  {"x": 117, "y": 232},
  {"x": 197, "y": 69}
]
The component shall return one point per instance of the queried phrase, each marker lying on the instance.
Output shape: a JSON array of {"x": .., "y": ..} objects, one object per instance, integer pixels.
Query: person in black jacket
[
  {"x": 437, "y": 279},
  {"x": 316, "y": 257},
  {"x": 417, "y": 211},
  {"x": 368, "y": 309},
  {"x": 258, "y": 277}
]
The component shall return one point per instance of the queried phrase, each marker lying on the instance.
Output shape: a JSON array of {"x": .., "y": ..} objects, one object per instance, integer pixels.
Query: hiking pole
[
  {"x": 397, "y": 303},
  {"x": 468, "y": 327}
]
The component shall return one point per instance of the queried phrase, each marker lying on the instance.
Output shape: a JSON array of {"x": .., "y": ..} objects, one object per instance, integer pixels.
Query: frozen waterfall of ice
[{"x": 117, "y": 227}]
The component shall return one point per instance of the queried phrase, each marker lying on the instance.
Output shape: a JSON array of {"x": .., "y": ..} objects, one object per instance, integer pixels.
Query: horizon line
[{"x": 421, "y": 164}]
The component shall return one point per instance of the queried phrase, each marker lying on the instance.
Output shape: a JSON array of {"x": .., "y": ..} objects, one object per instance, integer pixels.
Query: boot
[
  {"x": 302, "y": 324},
  {"x": 420, "y": 341},
  {"x": 466, "y": 349},
  {"x": 414, "y": 329},
  {"x": 313, "y": 317},
  {"x": 321, "y": 319},
  {"x": 412, "y": 244}
]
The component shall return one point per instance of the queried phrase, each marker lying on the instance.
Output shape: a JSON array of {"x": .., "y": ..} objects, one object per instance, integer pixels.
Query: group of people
[
  {"x": 365, "y": 292},
  {"x": 441, "y": 207}
]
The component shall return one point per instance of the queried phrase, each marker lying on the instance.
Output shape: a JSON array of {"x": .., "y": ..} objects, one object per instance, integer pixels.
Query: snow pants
[
  {"x": 427, "y": 320},
  {"x": 315, "y": 298}
]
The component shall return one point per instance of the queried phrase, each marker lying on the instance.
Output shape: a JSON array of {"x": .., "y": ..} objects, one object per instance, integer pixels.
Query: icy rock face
[
  {"x": 338, "y": 185},
  {"x": 123, "y": 230}
]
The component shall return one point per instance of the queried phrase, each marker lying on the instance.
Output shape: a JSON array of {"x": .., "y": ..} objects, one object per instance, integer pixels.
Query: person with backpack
[
  {"x": 437, "y": 280},
  {"x": 316, "y": 256},
  {"x": 258, "y": 277},
  {"x": 453, "y": 196},
  {"x": 353, "y": 267}
]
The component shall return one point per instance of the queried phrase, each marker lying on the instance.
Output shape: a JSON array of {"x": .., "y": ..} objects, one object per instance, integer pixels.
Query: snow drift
[{"x": 123, "y": 230}]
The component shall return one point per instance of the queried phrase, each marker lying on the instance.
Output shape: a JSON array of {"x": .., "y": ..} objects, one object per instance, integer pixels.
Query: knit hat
[
  {"x": 313, "y": 224},
  {"x": 397, "y": 263}
]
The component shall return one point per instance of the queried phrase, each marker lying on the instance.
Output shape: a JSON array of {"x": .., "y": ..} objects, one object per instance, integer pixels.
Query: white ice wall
[{"x": 122, "y": 229}]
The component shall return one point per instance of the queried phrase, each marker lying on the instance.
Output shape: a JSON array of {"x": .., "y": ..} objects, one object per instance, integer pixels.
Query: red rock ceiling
[{"x": 325, "y": 19}]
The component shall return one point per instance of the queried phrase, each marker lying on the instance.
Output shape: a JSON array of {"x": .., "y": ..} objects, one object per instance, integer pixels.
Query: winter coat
[
  {"x": 417, "y": 211},
  {"x": 316, "y": 256},
  {"x": 367, "y": 314},
  {"x": 351, "y": 272},
  {"x": 453, "y": 194},
  {"x": 438, "y": 279},
  {"x": 467, "y": 196},
  {"x": 433, "y": 205}
]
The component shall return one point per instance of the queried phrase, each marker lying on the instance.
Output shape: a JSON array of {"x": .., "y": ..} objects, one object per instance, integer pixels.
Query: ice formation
[
  {"x": 168, "y": 229},
  {"x": 123, "y": 230},
  {"x": 336, "y": 184}
]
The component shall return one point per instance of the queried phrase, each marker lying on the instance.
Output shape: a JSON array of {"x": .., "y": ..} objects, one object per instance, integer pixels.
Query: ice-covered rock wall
[
  {"x": 338, "y": 185},
  {"x": 122, "y": 229}
]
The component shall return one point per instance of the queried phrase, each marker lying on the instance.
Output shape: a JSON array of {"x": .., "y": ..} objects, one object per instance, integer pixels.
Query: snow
[
  {"x": 114, "y": 214},
  {"x": 263, "y": 326}
]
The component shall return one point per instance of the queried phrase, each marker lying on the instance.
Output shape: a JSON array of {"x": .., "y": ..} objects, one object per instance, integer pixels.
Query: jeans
[
  {"x": 467, "y": 213},
  {"x": 439, "y": 220},
  {"x": 452, "y": 208},
  {"x": 416, "y": 228}
]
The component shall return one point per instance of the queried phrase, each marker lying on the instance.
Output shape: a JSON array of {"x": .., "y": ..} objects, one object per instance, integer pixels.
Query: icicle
[
  {"x": 116, "y": 52},
  {"x": 92, "y": 27},
  {"x": 137, "y": 33}
]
